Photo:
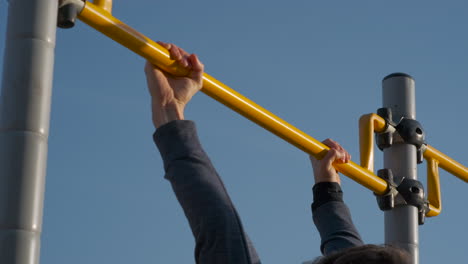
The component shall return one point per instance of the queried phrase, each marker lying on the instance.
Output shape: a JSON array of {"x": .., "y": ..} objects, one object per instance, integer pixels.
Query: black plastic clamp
[
  {"x": 68, "y": 12},
  {"x": 412, "y": 132},
  {"x": 409, "y": 192},
  {"x": 387, "y": 201},
  {"x": 409, "y": 130},
  {"x": 412, "y": 192},
  {"x": 385, "y": 139}
]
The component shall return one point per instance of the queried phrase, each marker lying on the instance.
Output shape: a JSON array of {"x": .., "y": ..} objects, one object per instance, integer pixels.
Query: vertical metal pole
[
  {"x": 401, "y": 223},
  {"x": 24, "y": 126}
]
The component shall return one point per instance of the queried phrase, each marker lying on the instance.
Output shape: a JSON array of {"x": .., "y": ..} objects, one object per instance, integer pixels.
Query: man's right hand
[
  {"x": 323, "y": 169},
  {"x": 169, "y": 93}
]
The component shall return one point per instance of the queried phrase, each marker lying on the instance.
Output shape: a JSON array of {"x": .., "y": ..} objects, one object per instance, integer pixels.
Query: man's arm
[
  {"x": 215, "y": 224},
  {"x": 330, "y": 214}
]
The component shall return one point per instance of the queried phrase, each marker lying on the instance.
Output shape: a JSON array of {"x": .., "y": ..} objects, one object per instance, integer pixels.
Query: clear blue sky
[{"x": 317, "y": 64}]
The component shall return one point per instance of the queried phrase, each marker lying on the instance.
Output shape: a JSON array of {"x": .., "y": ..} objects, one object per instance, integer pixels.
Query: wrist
[
  {"x": 326, "y": 192},
  {"x": 165, "y": 114},
  {"x": 325, "y": 175}
]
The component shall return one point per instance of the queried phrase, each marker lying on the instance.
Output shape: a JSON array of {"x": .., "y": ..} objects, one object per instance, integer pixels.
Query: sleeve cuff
[
  {"x": 176, "y": 140},
  {"x": 325, "y": 192}
]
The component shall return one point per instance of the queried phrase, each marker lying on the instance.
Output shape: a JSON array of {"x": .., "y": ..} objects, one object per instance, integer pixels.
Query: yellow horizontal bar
[
  {"x": 156, "y": 54},
  {"x": 447, "y": 163},
  {"x": 368, "y": 124},
  {"x": 104, "y": 4}
]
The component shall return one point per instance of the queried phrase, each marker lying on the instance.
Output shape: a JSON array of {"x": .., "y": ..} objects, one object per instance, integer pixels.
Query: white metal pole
[
  {"x": 24, "y": 126},
  {"x": 401, "y": 223}
]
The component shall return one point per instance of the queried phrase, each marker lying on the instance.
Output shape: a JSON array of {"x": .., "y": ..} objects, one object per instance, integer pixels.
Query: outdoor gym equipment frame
[{"x": 25, "y": 112}]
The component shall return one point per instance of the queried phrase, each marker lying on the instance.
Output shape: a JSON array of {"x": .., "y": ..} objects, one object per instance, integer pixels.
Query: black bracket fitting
[
  {"x": 411, "y": 192},
  {"x": 67, "y": 13},
  {"x": 409, "y": 130},
  {"x": 385, "y": 140},
  {"x": 387, "y": 201},
  {"x": 412, "y": 132}
]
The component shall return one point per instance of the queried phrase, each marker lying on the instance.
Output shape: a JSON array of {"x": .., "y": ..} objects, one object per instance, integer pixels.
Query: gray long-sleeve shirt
[
  {"x": 215, "y": 224},
  {"x": 333, "y": 219}
]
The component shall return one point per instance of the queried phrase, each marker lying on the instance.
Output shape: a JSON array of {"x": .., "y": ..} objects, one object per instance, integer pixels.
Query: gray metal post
[
  {"x": 24, "y": 126},
  {"x": 401, "y": 223}
]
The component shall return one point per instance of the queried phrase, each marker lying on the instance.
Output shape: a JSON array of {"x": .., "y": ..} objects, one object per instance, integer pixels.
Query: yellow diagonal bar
[
  {"x": 105, "y": 23},
  {"x": 447, "y": 163}
]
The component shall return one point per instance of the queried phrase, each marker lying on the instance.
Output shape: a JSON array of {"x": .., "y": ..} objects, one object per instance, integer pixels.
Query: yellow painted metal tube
[
  {"x": 105, "y": 23},
  {"x": 433, "y": 188},
  {"x": 368, "y": 124},
  {"x": 447, "y": 163},
  {"x": 104, "y": 4}
]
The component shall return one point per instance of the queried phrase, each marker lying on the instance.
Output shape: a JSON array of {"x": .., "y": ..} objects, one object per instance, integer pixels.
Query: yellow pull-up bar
[{"x": 101, "y": 20}]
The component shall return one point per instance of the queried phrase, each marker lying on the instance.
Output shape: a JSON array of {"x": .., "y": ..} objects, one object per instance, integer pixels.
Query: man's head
[{"x": 368, "y": 254}]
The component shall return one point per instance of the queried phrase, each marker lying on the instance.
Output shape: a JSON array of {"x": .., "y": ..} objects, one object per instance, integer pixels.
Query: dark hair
[{"x": 368, "y": 254}]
